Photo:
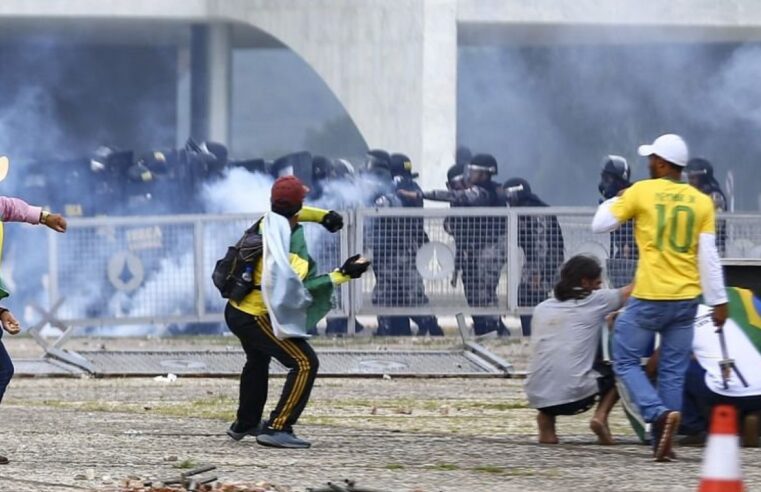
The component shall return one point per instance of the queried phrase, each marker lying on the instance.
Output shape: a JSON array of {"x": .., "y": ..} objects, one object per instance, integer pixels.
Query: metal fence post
[
  {"x": 358, "y": 224},
  {"x": 513, "y": 263},
  {"x": 53, "y": 288},
  {"x": 347, "y": 249},
  {"x": 199, "y": 275}
]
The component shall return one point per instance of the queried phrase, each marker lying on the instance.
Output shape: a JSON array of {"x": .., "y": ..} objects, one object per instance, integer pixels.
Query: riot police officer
[
  {"x": 453, "y": 225},
  {"x": 700, "y": 175},
  {"x": 615, "y": 176},
  {"x": 384, "y": 235},
  {"x": 541, "y": 239},
  {"x": 480, "y": 240},
  {"x": 322, "y": 170},
  {"x": 412, "y": 237}
]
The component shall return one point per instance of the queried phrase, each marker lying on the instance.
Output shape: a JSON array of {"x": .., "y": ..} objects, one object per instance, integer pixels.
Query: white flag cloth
[{"x": 284, "y": 294}]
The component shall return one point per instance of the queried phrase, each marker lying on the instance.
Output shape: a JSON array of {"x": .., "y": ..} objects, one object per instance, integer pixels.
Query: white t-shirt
[
  {"x": 565, "y": 337},
  {"x": 707, "y": 350}
]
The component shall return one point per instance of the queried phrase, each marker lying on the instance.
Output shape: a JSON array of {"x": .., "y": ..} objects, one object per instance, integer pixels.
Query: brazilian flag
[{"x": 745, "y": 310}]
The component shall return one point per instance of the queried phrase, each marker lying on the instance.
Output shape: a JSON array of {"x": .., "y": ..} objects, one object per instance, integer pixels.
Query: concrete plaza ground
[{"x": 387, "y": 434}]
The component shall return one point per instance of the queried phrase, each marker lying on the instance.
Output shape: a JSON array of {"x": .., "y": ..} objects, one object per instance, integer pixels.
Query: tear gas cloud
[
  {"x": 551, "y": 113},
  {"x": 64, "y": 98}
]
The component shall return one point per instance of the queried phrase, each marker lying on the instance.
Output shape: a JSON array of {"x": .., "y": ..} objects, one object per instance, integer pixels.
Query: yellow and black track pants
[{"x": 260, "y": 344}]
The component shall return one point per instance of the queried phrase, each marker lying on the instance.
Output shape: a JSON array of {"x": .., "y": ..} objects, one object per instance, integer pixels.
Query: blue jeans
[
  {"x": 634, "y": 335},
  {"x": 6, "y": 368}
]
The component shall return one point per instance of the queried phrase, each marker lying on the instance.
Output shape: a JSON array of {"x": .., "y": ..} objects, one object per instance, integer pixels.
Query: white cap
[{"x": 668, "y": 147}]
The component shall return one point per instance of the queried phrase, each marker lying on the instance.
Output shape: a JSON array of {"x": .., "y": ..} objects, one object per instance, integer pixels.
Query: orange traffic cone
[{"x": 721, "y": 459}]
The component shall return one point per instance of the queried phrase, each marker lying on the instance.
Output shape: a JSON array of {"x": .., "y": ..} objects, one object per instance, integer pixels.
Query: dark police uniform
[
  {"x": 480, "y": 242},
  {"x": 411, "y": 236},
  {"x": 541, "y": 239}
]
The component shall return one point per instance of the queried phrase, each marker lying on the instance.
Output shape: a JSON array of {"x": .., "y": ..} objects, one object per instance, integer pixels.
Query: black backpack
[{"x": 229, "y": 275}]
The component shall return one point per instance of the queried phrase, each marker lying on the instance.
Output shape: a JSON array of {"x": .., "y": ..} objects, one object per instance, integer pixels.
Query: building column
[
  {"x": 210, "y": 82},
  {"x": 219, "y": 81},
  {"x": 438, "y": 136},
  {"x": 183, "y": 104}
]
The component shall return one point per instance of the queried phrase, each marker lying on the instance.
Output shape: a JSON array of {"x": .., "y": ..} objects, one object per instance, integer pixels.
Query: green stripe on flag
[{"x": 740, "y": 301}]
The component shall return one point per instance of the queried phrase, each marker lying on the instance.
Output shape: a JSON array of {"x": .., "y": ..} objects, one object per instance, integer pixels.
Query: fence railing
[{"x": 443, "y": 261}]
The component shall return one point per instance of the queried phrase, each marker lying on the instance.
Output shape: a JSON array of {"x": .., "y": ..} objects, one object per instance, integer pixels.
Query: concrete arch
[
  {"x": 385, "y": 61},
  {"x": 251, "y": 75}
]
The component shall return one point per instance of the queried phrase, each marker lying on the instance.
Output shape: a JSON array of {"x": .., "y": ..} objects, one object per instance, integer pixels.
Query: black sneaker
[
  {"x": 281, "y": 439},
  {"x": 4, "y": 460},
  {"x": 664, "y": 429},
  {"x": 238, "y": 432},
  {"x": 693, "y": 440}
]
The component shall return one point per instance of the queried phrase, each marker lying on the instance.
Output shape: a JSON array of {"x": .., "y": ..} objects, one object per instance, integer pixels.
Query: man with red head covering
[{"x": 272, "y": 320}]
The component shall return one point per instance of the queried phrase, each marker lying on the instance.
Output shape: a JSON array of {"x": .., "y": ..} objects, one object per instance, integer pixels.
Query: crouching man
[
  {"x": 564, "y": 375},
  {"x": 706, "y": 384},
  {"x": 272, "y": 320}
]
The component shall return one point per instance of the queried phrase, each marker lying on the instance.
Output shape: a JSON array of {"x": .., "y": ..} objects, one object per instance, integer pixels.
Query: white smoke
[
  {"x": 735, "y": 92},
  {"x": 550, "y": 113},
  {"x": 239, "y": 191}
]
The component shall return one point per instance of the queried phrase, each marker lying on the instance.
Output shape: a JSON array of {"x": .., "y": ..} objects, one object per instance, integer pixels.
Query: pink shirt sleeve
[{"x": 17, "y": 210}]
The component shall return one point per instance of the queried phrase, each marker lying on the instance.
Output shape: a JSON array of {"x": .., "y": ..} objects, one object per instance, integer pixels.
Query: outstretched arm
[
  {"x": 17, "y": 210},
  {"x": 473, "y": 196},
  {"x": 330, "y": 220}
]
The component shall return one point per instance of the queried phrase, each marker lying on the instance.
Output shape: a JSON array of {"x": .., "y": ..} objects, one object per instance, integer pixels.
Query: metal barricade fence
[
  {"x": 155, "y": 270},
  {"x": 432, "y": 261},
  {"x": 440, "y": 261},
  {"x": 741, "y": 235},
  {"x": 541, "y": 239}
]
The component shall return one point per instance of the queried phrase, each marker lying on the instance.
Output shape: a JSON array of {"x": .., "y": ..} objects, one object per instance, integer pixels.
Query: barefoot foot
[{"x": 602, "y": 432}]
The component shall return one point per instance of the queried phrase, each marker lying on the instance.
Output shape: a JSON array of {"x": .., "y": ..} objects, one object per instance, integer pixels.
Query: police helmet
[
  {"x": 322, "y": 168},
  {"x": 456, "y": 177},
  {"x": 516, "y": 190},
  {"x": 139, "y": 173},
  {"x": 614, "y": 176},
  {"x": 378, "y": 163},
  {"x": 343, "y": 168},
  {"x": 401, "y": 165},
  {"x": 378, "y": 158},
  {"x": 483, "y": 162},
  {"x": 455, "y": 172},
  {"x": 158, "y": 162},
  {"x": 699, "y": 171},
  {"x": 616, "y": 166},
  {"x": 110, "y": 159},
  {"x": 218, "y": 150}
]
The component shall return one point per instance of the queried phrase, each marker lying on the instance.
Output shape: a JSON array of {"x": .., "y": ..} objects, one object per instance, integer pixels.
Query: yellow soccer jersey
[{"x": 669, "y": 218}]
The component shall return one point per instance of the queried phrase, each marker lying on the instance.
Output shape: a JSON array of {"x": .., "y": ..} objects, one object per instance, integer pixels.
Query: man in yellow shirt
[{"x": 675, "y": 235}]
